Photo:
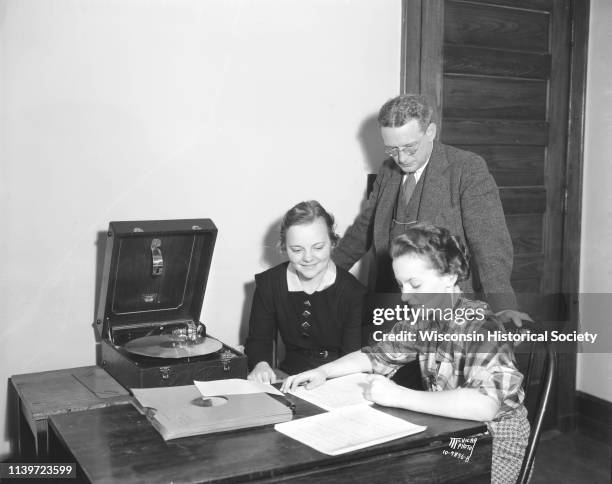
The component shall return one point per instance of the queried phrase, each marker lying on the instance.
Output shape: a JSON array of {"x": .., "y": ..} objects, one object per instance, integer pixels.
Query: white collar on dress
[{"x": 295, "y": 285}]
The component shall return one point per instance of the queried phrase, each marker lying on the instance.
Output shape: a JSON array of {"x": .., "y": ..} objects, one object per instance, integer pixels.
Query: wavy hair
[
  {"x": 445, "y": 252},
  {"x": 305, "y": 213}
]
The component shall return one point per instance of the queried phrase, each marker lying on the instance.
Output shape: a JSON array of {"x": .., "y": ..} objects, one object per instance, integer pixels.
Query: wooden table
[
  {"x": 55, "y": 392},
  {"x": 118, "y": 445}
]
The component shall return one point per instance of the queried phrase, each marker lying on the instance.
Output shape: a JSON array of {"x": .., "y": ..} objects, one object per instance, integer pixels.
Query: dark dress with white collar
[{"x": 315, "y": 328}]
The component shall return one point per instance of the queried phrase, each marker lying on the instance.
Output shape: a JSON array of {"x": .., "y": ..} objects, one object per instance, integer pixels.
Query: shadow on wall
[
  {"x": 372, "y": 145},
  {"x": 270, "y": 257},
  {"x": 372, "y": 148},
  {"x": 271, "y": 254}
]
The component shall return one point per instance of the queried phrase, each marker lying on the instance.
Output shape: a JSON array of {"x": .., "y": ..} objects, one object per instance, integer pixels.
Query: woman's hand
[
  {"x": 262, "y": 373},
  {"x": 385, "y": 392},
  {"x": 516, "y": 317},
  {"x": 310, "y": 379}
]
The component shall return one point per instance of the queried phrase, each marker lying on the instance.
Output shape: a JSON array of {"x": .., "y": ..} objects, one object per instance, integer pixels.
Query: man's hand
[
  {"x": 310, "y": 379},
  {"x": 385, "y": 392},
  {"x": 262, "y": 373},
  {"x": 516, "y": 317}
]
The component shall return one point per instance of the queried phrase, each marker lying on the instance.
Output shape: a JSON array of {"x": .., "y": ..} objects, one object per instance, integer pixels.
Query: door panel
[
  {"x": 485, "y": 61},
  {"x": 498, "y": 72},
  {"x": 494, "y": 132},
  {"x": 526, "y": 233},
  {"x": 493, "y": 26},
  {"x": 523, "y": 200},
  {"x": 473, "y": 97},
  {"x": 512, "y": 165}
]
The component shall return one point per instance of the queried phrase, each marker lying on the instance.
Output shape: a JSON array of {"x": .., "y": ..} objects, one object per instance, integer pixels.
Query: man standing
[{"x": 424, "y": 180}]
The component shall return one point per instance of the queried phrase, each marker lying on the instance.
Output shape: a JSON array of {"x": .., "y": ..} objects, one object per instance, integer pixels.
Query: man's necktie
[{"x": 407, "y": 188}]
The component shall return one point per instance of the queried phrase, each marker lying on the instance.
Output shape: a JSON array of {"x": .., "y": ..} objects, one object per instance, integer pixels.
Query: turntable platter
[{"x": 168, "y": 346}]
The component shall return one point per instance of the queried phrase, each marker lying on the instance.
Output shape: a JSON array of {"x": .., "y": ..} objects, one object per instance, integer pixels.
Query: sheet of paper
[
  {"x": 337, "y": 392},
  {"x": 234, "y": 386},
  {"x": 347, "y": 429}
]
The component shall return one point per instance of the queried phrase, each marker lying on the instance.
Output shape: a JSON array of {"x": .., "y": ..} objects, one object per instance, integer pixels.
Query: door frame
[{"x": 425, "y": 19}]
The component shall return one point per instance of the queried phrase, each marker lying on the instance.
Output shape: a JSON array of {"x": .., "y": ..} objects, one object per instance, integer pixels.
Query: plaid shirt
[{"x": 488, "y": 366}]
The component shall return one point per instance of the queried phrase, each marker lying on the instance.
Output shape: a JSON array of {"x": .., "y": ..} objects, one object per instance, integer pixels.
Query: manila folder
[{"x": 182, "y": 411}]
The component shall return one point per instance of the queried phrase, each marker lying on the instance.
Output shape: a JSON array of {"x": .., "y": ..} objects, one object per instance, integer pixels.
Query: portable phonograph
[{"x": 151, "y": 294}]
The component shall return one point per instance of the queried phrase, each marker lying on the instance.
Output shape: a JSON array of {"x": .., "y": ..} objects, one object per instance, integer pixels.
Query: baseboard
[
  {"x": 4, "y": 458},
  {"x": 566, "y": 423},
  {"x": 594, "y": 417}
]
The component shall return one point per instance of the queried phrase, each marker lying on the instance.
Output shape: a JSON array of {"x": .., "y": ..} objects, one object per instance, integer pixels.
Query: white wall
[
  {"x": 153, "y": 109},
  {"x": 594, "y": 371}
]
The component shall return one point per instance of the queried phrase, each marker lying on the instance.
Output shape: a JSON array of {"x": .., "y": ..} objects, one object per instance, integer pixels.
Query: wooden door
[{"x": 499, "y": 72}]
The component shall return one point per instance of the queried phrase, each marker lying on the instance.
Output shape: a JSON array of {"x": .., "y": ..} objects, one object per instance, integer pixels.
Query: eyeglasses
[{"x": 409, "y": 150}]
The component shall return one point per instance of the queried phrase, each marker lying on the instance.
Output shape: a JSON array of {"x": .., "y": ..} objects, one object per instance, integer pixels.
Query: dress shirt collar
[{"x": 418, "y": 173}]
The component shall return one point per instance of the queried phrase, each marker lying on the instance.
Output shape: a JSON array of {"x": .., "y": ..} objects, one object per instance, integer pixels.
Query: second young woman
[{"x": 469, "y": 378}]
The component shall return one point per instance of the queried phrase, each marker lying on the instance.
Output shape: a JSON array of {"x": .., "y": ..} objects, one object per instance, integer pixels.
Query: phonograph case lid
[{"x": 155, "y": 272}]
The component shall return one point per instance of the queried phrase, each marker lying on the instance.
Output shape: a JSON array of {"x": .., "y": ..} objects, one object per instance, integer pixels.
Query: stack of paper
[
  {"x": 350, "y": 424},
  {"x": 347, "y": 429},
  {"x": 182, "y": 411},
  {"x": 337, "y": 392}
]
